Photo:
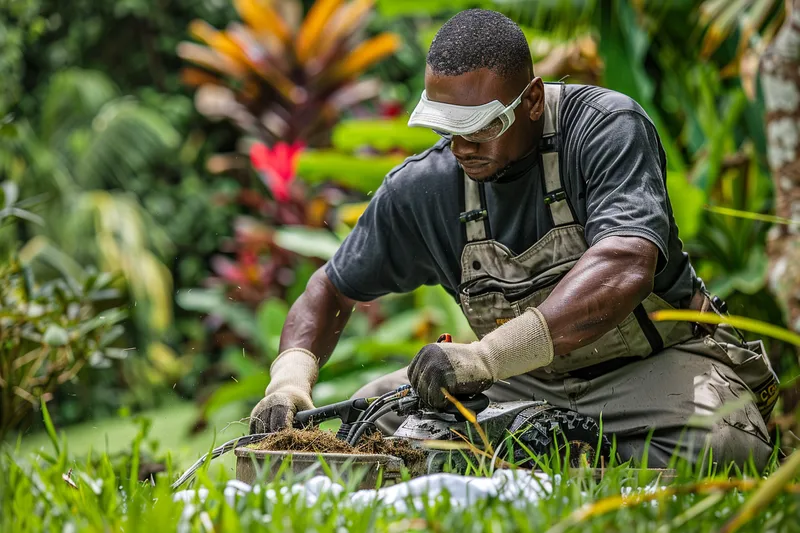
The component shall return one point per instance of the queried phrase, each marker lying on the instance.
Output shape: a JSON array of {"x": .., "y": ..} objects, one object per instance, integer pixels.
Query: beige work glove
[
  {"x": 518, "y": 346},
  {"x": 292, "y": 375}
]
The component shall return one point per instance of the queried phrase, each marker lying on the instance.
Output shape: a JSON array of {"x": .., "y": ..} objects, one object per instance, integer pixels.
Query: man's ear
[{"x": 535, "y": 99}]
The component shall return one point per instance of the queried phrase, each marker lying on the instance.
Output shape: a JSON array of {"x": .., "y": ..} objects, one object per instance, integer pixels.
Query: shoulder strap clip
[{"x": 470, "y": 216}]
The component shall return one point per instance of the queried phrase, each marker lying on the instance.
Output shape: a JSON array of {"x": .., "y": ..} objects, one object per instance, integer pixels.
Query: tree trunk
[{"x": 780, "y": 81}]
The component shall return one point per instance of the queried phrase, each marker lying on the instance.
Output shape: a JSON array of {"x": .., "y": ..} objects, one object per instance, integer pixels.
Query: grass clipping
[{"x": 319, "y": 441}]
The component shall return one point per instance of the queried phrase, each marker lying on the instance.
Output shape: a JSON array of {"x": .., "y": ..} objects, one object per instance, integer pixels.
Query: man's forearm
[
  {"x": 603, "y": 287},
  {"x": 316, "y": 320}
]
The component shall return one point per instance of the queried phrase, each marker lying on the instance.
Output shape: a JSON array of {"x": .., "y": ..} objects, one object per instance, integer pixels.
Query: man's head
[{"x": 477, "y": 57}]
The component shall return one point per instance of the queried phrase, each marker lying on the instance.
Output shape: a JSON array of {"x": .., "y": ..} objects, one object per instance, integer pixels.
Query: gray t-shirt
[{"x": 613, "y": 169}]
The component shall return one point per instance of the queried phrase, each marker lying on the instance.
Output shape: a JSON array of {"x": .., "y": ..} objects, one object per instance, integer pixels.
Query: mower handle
[{"x": 347, "y": 411}]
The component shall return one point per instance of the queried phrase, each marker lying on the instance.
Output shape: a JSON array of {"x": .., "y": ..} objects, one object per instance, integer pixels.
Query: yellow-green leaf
[{"x": 747, "y": 324}]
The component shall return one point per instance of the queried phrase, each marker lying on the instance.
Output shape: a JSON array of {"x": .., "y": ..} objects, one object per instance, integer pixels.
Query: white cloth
[{"x": 520, "y": 487}]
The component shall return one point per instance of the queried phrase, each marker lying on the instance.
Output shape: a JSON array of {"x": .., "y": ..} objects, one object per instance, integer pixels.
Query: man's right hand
[
  {"x": 292, "y": 376},
  {"x": 276, "y": 411}
]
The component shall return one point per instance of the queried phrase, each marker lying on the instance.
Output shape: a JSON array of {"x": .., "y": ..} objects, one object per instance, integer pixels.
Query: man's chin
[{"x": 480, "y": 172}]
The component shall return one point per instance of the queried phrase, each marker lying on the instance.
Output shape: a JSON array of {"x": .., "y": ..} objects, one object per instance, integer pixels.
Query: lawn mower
[{"x": 518, "y": 432}]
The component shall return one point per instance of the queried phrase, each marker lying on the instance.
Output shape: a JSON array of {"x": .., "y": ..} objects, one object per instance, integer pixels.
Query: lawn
[
  {"x": 170, "y": 431},
  {"x": 49, "y": 487}
]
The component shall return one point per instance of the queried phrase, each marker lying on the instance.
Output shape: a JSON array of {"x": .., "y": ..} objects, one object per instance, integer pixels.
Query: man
[{"x": 544, "y": 212}]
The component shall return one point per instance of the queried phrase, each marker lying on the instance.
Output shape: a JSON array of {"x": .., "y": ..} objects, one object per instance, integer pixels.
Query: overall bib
[{"x": 497, "y": 285}]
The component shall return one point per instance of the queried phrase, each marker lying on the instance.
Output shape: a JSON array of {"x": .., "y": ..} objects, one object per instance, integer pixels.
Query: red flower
[
  {"x": 392, "y": 109},
  {"x": 277, "y": 166},
  {"x": 247, "y": 270}
]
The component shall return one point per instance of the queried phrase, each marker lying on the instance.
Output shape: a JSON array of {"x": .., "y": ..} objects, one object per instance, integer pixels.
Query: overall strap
[
  {"x": 475, "y": 216},
  {"x": 555, "y": 196}
]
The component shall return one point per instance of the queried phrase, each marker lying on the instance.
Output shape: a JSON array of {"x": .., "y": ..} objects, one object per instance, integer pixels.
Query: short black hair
[{"x": 479, "y": 38}]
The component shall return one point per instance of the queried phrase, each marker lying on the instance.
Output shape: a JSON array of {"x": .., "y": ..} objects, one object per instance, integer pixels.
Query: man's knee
[
  {"x": 731, "y": 444},
  {"x": 734, "y": 439},
  {"x": 701, "y": 413}
]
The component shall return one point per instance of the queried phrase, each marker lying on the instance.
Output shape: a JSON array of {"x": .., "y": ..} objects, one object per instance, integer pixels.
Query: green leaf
[
  {"x": 111, "y": 335},
  {"x": 248, "y": 389},
  {"x": 400, "y": 327},
  {"x": 270, "y": 318},
  {"x": 42, "y": 248},
  {"x": 240, "y": 319},
  {"x": 55, "y": 336},
  {"x": 383, "y": 135},
  {"x": 747, "y": 324},
  {"x": 399, "y": 8},
  {"x": 308, "y": 242},
  {"x": 749, "y": 215},
  {"x": 687, "y": 204},
  {"x": 74, "y": 96},
  {"x": 302, "y": 274},
  {"x": 201, "y": 300},
  {"x": 356, "y": 172},
  {"x": 9, "y": 192},
  {"x": 108, "y": 317},
  {"x": 21, "y": 213},
  {"x": 446, "y": 311},
  {"x": 8, "y": 131},
  {"x": 127, "y": 138},
  {"x": 48, "y": 424}
]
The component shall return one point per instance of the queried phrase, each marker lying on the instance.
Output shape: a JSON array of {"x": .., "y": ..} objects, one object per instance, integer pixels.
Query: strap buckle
[
  {"x": 470, "y": 216},
  {"x": 555, "y": 196},
  {"x": 548, "y": 144}
]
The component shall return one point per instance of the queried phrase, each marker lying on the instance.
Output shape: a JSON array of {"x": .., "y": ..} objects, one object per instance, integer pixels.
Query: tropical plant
[
  {"x": 21, "y": 25},
  {"x": 88, "y": 138},
  {"x": 49, "y": 331},
  {"x": 279, "y": 76},
  {"x": 285, "y": 81}
]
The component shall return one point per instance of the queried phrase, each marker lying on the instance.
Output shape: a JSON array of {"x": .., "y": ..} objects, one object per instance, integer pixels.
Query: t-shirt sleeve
[
  {"x": 385, "y": 253},
  {"x": 625, "y": 184}
]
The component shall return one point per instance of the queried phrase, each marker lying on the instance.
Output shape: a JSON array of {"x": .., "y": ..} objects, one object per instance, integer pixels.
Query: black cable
[
  {"x": 397, "y": 394},
  {"x": 364, "y": 424},
  {"x": 374, "y": 406}
]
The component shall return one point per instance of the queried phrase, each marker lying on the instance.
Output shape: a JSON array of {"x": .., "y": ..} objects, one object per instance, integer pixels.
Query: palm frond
[
  {"x": 72, "y": 100},
  {"x": 126, "y": 137}
]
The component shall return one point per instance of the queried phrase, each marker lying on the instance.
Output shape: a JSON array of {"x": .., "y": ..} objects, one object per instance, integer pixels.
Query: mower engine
[{"x": 532, "y": 429}]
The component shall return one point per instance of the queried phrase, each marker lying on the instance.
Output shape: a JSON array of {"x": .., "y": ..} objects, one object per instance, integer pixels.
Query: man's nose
[{"x": 462, "y": 148}]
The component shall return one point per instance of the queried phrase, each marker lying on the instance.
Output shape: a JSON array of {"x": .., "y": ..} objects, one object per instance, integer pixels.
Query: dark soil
[{"x": 318, "y": 441}]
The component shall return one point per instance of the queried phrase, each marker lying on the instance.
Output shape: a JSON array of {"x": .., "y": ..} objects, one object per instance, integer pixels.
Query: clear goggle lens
[{"x": 485, "y": 134}]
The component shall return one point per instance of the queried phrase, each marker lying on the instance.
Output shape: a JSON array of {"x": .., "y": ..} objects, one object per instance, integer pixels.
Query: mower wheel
[{"x": 542, "y": 429}]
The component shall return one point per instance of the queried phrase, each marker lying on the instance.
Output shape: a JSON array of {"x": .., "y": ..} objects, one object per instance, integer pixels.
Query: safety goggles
[{"x": 478, "y": 124}]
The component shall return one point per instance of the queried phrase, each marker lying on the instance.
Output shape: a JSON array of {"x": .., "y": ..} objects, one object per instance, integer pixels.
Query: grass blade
[
  {"x": 747, "y": 324},
  {"x": 693, "y": 512},
  {"x": 727, "y": 211},
  {"x": 48, "y": 424},
  {"x": 471, "y": 418},
  {"x": 766, "y": 493}
]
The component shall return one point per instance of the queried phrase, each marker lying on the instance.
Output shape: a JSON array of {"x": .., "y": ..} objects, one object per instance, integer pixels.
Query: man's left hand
[
  {"x": 518, "y": 346},
  {"x": 458, "y": 368}
]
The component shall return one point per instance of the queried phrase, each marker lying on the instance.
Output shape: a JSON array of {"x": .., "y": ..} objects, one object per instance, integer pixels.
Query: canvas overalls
[{"x": 640, "y": 374}]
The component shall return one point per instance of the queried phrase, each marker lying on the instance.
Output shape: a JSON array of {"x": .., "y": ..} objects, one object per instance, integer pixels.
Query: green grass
[
  {"x": 170, "y": 430},
  {"x": 34, "y": 495},
  {"x": 36, "y": 498}
]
